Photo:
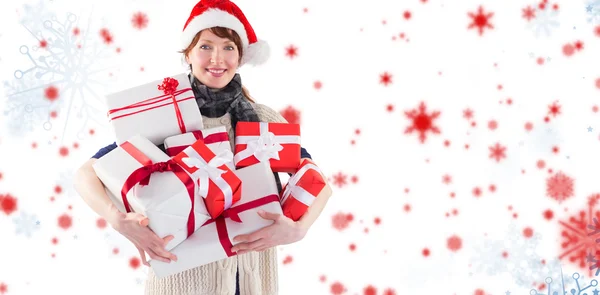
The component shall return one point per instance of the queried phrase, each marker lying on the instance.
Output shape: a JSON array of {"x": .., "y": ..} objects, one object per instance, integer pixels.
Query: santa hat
[{"x": 224, "y": 13}]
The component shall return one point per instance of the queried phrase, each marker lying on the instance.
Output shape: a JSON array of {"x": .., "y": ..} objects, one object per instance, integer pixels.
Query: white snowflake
[
  {"x": 522, "y": 262},
  {"x": 71, "y": 63},
  {"x": 26, "y": 224},
  {"x": 545, "y": 21},
  {"x": 592, "y": 9},
  {"x": 33, "y": 17}
]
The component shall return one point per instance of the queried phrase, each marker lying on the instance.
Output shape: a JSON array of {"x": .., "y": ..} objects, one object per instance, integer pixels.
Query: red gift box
[
  {"x": 217, "y": 184},
  {"x": 301, "y": 190},
  {"x": 277, "y": 143}
]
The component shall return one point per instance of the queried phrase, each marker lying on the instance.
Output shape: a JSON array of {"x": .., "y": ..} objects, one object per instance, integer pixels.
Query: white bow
[
  {"x": 265, "y": 147},
  {"x": 208, "y": 170}
]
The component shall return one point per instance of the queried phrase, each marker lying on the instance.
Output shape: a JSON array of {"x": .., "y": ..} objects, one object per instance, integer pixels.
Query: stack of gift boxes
[{"x": 199, "y": 190}]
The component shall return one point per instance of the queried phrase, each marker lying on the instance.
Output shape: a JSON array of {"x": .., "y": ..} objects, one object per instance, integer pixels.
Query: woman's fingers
[
  {"x": 143, "y": 256},
  {"x": 248, "y": 246},
  {"x": 156, "y": 256}
]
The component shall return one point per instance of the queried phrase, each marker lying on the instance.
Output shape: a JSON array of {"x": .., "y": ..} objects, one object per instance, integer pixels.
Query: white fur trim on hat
[
  {"x": 213, "y": 18},
  {"x": 257, "y": 53}
]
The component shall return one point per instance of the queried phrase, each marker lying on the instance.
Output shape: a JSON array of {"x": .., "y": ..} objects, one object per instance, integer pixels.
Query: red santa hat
[{"x": 224, "y": 13}]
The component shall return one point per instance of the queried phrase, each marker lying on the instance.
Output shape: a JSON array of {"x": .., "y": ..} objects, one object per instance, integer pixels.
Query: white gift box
[
  {"x": 165, "y": 200},
  {"x": 149, "y": 112},
  {"x": 204, "y": 246},
  {"x": 216, "y": 139}
]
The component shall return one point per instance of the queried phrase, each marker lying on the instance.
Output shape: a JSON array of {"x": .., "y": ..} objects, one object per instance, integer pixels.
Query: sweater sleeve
[{"x": 105, "y": 150}]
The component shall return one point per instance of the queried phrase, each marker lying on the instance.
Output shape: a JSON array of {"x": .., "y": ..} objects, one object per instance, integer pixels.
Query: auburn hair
[{"x": 222, "y": 33}]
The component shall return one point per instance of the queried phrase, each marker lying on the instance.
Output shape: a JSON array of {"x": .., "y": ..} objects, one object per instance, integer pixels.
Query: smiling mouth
[{"x": 216, "y": 71}]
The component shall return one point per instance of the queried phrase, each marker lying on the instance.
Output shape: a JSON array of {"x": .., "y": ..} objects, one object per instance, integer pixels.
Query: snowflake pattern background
[{"x": 414, "y": 184}]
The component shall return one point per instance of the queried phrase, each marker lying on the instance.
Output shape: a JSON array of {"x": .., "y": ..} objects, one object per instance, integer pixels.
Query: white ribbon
[
  {"x": 264, "y": 147},
  {"x": 298, "y": 192},
  {"x": 210, "y": 171}
]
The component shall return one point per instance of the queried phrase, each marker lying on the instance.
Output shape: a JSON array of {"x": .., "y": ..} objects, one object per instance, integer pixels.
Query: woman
[{"x": 217, "y": 39}]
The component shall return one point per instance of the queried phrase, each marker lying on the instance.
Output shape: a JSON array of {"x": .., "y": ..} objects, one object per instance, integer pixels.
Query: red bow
[{"x": 169, "y": 85}]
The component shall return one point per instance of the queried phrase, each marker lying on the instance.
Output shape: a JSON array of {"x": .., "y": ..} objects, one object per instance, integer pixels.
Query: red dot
[
  {"x": 426, "y": 252},
  {"x": 54, "y": 241},
  {"x": 377, "y": 220},
  {"x": 8, "y": 204},
  {"x": 505, "y": 254},
  {"x": 407, "y": 15},
  {"x": 115, "y": 251},
  {"x": 541, "y": 164},
  {"x": 479, "y": 292},
  {"x": 92, "y": 131},
  {"x": 53, "y": 114},
  {"x": 65, "y": 221},
  {"x": 58, "y": 189},
  {"x": 349, "y": 217},
  {"x": 454, "y": 243},
  {"x": 568, "y": 49},
  {"x": 337, "y": 288},
  {"x": 76, "y": 145},
  {"x": 493, "y": 125},
  {"x": 352, "y": 247},
  {"x": 64, "y": 151},
  {"x": 407, "y": 207},
  {"x": 322, "y": 278},
  {"x": 528, "y": 126},
  {"x": 528, "y": 232},
  {"x": 51, "y": 93},
  {"x": 548, "y": 214},
  {"x": 598, "y": 83},
  {"x": 134, "y": 262},
  {"x": 101, "y": 223}
]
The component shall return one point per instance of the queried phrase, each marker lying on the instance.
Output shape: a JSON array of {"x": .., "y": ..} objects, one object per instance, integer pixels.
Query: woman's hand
[
  {"x": 283, "y": 231},
  {"x": 134, "y": 227}
]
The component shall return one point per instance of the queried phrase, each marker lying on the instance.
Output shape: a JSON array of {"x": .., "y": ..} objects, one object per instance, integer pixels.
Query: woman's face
[{"x": 214, "y": 60}]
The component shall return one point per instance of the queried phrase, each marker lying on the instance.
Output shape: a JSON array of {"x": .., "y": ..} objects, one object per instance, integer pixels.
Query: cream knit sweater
[{"x": 257, "y": 271}]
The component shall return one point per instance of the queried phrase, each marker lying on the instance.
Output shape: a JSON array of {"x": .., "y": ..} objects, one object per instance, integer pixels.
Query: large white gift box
[
  {"x": 213, "y": 241},
  {"x": 167, "y": 198},
  {"x": 154, "y": 110}
]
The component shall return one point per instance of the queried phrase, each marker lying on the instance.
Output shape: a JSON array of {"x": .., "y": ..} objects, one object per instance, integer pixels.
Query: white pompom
[{"x": 257, "y": 53}]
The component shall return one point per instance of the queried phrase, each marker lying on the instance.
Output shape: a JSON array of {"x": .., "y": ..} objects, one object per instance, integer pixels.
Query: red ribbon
[
  {"x": 142, "y": 176},
  {"x": 233, "y": 214},
  {"x": 212, "y": 138},
  {"x": 169, "y": 87}
]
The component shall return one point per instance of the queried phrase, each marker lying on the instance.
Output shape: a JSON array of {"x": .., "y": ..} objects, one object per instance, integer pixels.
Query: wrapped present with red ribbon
[
  {"x": 154, "y": 110},
  {"x": 217, "y": 184},
  {"x": 213, "y": 241},
  {"x": 275, "y": 143},
  {"x": 302, "y": 189},
  {"x": 143, "y": 179},
  {"x": 216, "y": 139}
]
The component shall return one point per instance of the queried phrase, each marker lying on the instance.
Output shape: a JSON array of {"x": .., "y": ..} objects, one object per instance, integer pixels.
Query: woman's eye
[
  {"x": 229, "y": 48},
  {"x": 204, "y": 47}
]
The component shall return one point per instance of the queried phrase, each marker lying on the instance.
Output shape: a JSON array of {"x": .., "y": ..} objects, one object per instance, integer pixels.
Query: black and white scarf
[{"x": 229, "y": 99}]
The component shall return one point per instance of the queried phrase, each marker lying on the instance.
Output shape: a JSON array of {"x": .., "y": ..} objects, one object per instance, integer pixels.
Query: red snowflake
[
  {"x": 106, "y": 36},
  {"x": 468, "y": 114},
  {"x": 385, "y": 79},
  {"x": 134, "y": 262},
  {"x": 8, "y": 204},
  {"x": 291, "y": 51},
  {"x": 559, "y": 186},
  {"x": 339, "y": 179},
  {"x": 291, "y": 114},
  {"x": 454, "y": 243},
  {"x": 288, "y": 259},
  {"x": 65, "y": 221},
  {"x": 341, "y": 221},
  {"x": 389, "y": 291},
  {"x": 497, "y": 152},
  {"x": 337, "y": 288},
  {"x": 577, "y": 242},
  {"x": 370, "y": 290},
  {"x": 554, "y": 109},
  {"x": 422, "y": 122},
  {"x": 318, "y": 85},
  {"x": 528, "y": 13},
  {"x": 139, "y": 20},
  {"x": 51, "y": 93},
  {"x": 481, "y": 20},
  {"x": 3, "y": 288}
]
